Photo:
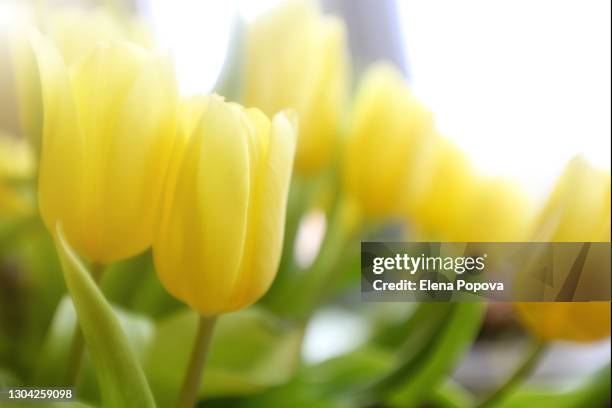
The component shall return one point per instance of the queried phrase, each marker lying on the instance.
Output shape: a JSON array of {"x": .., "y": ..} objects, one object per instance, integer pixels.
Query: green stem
[
  {"x": 74, "y": 364},
  {"x": 193, "y": 377},
  {"x": 520, "y": 375}
]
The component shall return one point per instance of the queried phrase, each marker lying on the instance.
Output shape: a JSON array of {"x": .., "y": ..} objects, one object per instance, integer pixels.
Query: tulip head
[
  {"x": 578, "y": 210},
  {"x": 442, "y": 193},
  {"x": 109, "y": 127},
  {"x": 220, "y": 235},
  {"x": 296, "y": 58},
  {"x": 389, "y": 129}
]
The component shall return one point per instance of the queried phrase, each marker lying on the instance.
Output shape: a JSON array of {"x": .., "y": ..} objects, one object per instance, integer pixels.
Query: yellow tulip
[
  {"x": 442, "y": 192},
  {"x": 221, "y": 227},
  {"x": 578, "y": 210},
  {"x": 15, "y": 166},
  {"x": 109, "y": 127},
  {"x": 296, "y": 58},
  {"x": 390, "y": 130},
  {"x": 74, "y": 32}
]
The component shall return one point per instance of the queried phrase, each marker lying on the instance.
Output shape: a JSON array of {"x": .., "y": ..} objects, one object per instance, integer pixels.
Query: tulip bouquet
[{"x": 151, "y": 244}]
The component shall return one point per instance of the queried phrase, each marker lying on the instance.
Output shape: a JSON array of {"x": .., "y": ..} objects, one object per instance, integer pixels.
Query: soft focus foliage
[
  {"x": 296, "y": 58},
  {"x": 197, "y": 206},
  {"x": 220, "y": 236},
  {"x": 108, "y": 133}
]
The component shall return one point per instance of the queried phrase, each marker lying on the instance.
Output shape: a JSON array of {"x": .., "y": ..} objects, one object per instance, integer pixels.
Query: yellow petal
[
  {"x": 579, "y": 207},
  {"x": 62, "y": 178},
  {"x": 267, "y": 209},
  {"x": 139, "y": 148},
  {"x": 309, "y": 74},
  {"x": 389, "y": 128}
]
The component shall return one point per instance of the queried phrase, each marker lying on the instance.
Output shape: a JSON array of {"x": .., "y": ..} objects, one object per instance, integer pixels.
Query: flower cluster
[{"x": 213, "y": 195}]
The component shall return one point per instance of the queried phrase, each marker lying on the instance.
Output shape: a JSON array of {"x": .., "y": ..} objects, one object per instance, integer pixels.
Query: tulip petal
[
  {"x": 61, "y": 180},
  {"x": 139, "y": 150},
  {"x": 389, "y": 126},
  {"x": 308, "y": 75},
  {"x": 267, "y": 212}
]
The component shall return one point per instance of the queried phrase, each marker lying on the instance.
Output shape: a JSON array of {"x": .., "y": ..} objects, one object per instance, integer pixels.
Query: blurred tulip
[
  {"x": 443, "y": 192},
  {"x": 296, "y": 58},
  {"x": 74, "y": 32},
  {"x": 578, "y": 210},
  {"x": 497, "y": 211},
  {"x": 109, "y": 127},
  {"x": 15, "y": 166},
  {"x": 221, "y": 228},
  {"x": 390, "y": 129}
]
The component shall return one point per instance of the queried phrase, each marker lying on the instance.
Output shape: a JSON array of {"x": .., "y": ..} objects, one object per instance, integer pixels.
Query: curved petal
[
  {"x": 199, "y": 247},
  {"x": 267, "y": 212},
  {"x": 62, "y": 178}
]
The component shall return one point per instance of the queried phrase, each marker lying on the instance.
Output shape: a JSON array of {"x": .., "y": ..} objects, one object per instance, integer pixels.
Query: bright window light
[
  {"x": 196, "y": 33},
  {"x": 521, "y": 85},
  {"x": 251, "y": 9}
]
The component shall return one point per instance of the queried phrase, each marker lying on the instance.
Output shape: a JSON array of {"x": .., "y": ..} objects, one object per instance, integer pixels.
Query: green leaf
[
  {"x": 122, "y": 381},
  {"x": 451, "y": 395},
  {"x": 133, "y": 284},
  {"x": 415, "y": 379},
  {"x": 250, "y": 350},
  {"x": 330, "y": 384},
  {"x": 55, "y": 348},
  {"x": 348, "y": 372},
  {"x": 412, "y": 332},
  {"x": 593, "y": 392}
]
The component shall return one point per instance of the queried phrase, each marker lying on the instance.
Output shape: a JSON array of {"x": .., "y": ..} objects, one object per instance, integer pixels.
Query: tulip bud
[
  {"x": 295, "y": 58},
  {"x": 220, "y": 234},
  {"x": 390, "y": 128},
  {"x": 578, "y": 210},
  {"x": 109, "y": 126}
]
